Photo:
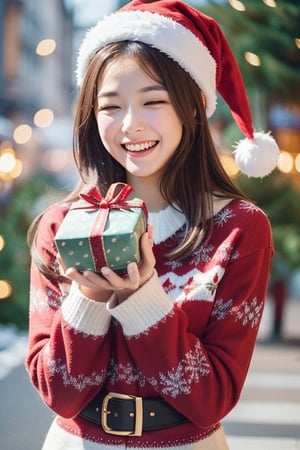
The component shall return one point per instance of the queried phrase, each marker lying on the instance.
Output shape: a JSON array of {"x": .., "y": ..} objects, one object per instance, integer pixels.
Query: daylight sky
[{"x": 87, "y": 12}]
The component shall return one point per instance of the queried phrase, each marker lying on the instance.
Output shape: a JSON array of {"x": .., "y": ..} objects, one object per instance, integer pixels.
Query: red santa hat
[{"x": 197, "y": 43}]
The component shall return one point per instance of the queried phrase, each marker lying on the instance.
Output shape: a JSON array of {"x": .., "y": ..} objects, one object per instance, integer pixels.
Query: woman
[{"x": 158, "y": 358}]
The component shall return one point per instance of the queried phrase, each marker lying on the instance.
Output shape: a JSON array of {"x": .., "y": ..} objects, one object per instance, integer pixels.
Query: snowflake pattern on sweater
[
  {"x": 179, "y": 380},
  {"x": 186, "y": 335}
]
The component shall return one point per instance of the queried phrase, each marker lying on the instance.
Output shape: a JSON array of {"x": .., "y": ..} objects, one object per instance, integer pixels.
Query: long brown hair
[{"x": 192, "y": 176}]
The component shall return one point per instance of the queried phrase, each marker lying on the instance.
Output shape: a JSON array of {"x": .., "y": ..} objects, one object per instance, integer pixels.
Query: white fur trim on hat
[
  {"x": 257, "y": 157},
  {"x": 161, "y": 32}
]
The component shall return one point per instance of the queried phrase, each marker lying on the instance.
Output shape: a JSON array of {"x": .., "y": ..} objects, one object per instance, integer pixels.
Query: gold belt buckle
[{"x": 138, "y": 428}]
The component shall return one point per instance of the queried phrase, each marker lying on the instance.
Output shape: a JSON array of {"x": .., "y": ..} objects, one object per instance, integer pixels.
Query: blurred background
[
  {"x": 39, "y": 42},
  {"x": 38, "y": 47}
]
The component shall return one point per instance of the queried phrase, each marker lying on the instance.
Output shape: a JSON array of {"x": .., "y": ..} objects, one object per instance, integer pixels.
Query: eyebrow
[{"x": 150, "y": 88}]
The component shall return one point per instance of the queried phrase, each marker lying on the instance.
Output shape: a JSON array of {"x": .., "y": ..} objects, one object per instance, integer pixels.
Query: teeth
[{"x": 139, "y": 147}]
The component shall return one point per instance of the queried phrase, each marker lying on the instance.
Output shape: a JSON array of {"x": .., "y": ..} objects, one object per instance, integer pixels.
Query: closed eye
[
  {"x": 108, "y": 107},
  {"x": 155, "y": 102}
]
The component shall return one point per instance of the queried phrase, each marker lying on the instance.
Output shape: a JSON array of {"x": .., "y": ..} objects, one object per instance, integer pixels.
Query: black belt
[{"x": 126, "y": 415}]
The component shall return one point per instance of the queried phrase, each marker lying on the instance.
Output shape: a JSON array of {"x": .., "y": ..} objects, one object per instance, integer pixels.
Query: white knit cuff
[
  {"x": 85, "y": 315},
  {"x": 143, "y": 309}
]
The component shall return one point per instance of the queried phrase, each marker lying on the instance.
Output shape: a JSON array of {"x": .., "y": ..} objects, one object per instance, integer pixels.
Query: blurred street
[
  {"x": 266, "y": 418},
  {"x": 268, "y": 414}
]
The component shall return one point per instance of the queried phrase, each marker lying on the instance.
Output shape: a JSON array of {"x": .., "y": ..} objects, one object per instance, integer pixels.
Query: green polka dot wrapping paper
[{"x": 102, "y": 231}]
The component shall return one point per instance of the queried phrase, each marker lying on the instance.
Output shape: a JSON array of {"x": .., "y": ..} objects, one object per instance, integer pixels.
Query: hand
[
  {"x": 100, "y": 288},
  {"x": 137, "y": 275}
]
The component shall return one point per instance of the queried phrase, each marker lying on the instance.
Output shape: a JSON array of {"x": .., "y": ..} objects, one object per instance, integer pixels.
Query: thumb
[{"x": 148, "y": 257}]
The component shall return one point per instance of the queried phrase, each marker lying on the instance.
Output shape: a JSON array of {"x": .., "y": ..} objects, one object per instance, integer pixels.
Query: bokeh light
[
  {"x": 2, "y": 243},
  {"x": 22, "y": 133},
  {"x": 43, "y": 118},
  {"x": 46, "y": 47},
  {"x": 5, "y": 289},
  {"x": 237, "y": 5},
  {"x": 229, "y": 165},
  {"x": 10, "y": 166},
  {"x": 297, "y": 163},
  {"x": 270, "y": 3},
  {"x": 285, "y": 162},
  {"x": 252, "y": 58}
]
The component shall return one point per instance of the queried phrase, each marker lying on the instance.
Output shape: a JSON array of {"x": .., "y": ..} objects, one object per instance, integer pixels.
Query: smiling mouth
[{"x": 139, "y": 147}]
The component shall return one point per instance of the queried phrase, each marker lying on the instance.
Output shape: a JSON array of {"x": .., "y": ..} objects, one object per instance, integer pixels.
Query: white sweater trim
[
  {"x": 85, "y": 315},
  {"x": 143, "y": 309},
  {"x": 165, "y": 223}
]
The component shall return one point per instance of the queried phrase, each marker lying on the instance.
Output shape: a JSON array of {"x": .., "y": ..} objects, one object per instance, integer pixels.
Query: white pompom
[{"x": 257, "y": 157}]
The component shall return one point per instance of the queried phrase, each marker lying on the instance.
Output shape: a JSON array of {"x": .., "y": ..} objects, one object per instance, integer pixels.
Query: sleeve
[
  {"x": 69, "y": 341},
  {"x": 201, "y": 372}
]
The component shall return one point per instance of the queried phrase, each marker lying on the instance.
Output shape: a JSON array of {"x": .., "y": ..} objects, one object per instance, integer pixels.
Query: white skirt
[{"x": 59, "y": 439}]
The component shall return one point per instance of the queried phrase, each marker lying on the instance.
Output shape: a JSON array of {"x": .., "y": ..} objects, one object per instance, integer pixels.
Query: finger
[
  {"x": 87, "y": 278},
  {"x": 146, "y": 248},
  {"x": 112, "y": 277},
  {"x": 117, "y": 282},
  {"x": 72, "y": 273},
  {"x": 150, "y": 232},
  {"x": 133, "y": 275},
  {"x": 61, "y": 264},
  {"x": 148, "y": 259}
]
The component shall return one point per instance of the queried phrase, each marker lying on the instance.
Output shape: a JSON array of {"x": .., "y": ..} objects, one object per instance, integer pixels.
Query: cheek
[
  {"x": 108, "y": 134},
  {"x": 105, "y": 127},
  {"x": 175, "y": 128}
]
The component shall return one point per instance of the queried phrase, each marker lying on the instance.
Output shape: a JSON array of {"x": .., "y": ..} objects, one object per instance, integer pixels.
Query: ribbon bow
[{"x": 115, "y": 198}]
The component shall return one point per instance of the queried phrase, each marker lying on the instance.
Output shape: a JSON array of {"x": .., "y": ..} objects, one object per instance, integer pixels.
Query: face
[{"x": 137, "y": 123}]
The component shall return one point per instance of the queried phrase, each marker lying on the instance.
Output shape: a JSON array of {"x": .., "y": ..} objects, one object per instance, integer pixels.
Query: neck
[{"x": 148, "y": 191}]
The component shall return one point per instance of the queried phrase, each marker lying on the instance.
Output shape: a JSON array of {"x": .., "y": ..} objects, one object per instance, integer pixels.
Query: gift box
[{"x": 99, "y": 231}]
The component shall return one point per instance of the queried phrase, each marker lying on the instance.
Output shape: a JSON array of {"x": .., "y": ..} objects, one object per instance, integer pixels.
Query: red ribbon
[{"x": 116, "y": 198}]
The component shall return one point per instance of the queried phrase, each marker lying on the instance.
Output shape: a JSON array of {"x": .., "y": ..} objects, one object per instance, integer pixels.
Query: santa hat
[{"x": 197, "y": 43}]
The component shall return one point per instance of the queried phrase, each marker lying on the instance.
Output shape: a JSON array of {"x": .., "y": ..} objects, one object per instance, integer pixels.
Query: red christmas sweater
[{"x": 187, "y": 335}]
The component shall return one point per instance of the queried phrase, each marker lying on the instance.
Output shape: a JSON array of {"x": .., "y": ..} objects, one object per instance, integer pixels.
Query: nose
[{"x": 132, "y": 121}]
